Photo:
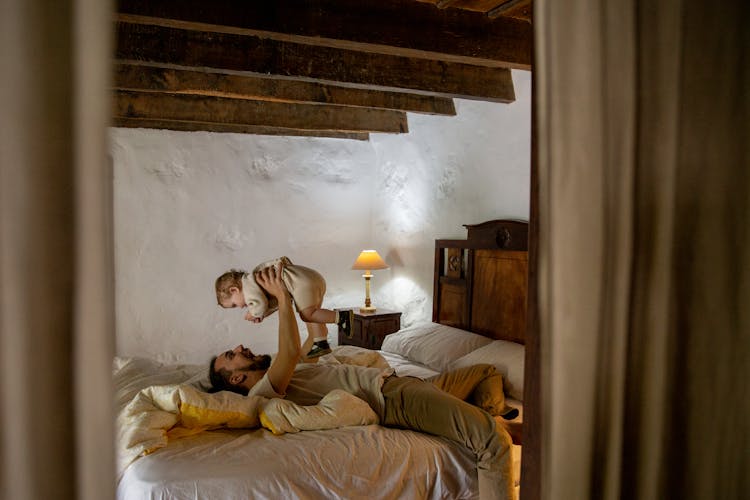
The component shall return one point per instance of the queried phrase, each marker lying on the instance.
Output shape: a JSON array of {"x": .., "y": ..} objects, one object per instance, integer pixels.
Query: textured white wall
[
  {"x": 450, "y": 171},
  {"x": 188, "y": 206}
]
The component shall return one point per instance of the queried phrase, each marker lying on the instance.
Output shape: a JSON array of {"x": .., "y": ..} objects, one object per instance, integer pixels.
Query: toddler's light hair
[{"x": 231, "y": 278}]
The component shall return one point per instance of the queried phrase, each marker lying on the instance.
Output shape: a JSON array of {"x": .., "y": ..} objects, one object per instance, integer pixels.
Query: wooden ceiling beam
[
  {"x": 203, "y": 109},
  {"x": 160, "y": 79},
  {"x": 154, "y": 43},
  {"x": 234, "y": 129},
  {"x": 505, "y": 7},
  {"x": 397, "y": 27},
  {"x": 444, "y": 4}
]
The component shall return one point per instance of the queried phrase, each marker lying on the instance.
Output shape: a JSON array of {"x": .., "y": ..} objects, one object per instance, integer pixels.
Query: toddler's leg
[
  {"x": 319, "y": 346},
  {"x": 316, "y": 314}
]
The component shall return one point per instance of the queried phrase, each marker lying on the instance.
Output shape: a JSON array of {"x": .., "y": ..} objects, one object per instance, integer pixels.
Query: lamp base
[{"x": 367, "y": 309}]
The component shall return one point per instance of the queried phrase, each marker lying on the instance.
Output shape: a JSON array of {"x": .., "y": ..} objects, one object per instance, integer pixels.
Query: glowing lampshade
[{"x": 367, "y": 261}]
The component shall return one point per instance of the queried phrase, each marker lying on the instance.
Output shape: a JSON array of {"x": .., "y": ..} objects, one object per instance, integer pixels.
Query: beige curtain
[
  {"x": 644, "y": 248},
  {"x": 56, "y": 266}
]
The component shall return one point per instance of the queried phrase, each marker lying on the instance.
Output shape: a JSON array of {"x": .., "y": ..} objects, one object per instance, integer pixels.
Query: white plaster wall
[
  {"x": 188, "y": 206},
  {"x": 450, "y": 171}
]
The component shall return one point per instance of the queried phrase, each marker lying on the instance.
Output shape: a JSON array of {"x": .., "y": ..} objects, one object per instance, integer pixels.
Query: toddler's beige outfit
[{"x": 306, "y": 286}]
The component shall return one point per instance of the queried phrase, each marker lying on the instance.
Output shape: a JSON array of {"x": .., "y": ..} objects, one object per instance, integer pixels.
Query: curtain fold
[
  {"x": 56, "y": 344},
  {"x": 94, "y": 316},
  {"x": 644, "y": 250}
]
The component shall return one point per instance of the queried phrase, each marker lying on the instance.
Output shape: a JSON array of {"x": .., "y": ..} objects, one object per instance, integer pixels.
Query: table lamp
[{"x": 367, "y": 261}]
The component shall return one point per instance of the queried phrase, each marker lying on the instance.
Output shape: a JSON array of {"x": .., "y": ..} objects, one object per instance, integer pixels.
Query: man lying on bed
[{"x": 402, "y": 402}]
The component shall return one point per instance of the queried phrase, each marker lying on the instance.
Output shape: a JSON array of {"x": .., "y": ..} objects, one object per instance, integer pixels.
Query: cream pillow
[
  {"x": 506, "y": 356},
  {"x": 130, "y": 375},
  {"x": 432, "y": 344}
]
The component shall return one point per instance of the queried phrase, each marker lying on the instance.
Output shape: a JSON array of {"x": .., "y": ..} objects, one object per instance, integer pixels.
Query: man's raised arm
[{"x": 281, "y": 370}]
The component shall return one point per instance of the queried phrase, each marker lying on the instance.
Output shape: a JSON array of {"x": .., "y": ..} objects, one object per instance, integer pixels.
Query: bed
[{"x": 478, "y": 316}]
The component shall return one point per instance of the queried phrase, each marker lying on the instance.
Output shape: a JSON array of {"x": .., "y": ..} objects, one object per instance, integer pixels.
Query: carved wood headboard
[{"x": 481, "y": 283}]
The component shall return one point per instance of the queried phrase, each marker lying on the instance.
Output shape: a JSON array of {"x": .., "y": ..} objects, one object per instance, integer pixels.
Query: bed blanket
[{"x": 158, "y": 413}]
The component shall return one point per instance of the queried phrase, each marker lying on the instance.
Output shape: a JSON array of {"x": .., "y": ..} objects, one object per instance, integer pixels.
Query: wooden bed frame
[{"x": 481, "y": 283}]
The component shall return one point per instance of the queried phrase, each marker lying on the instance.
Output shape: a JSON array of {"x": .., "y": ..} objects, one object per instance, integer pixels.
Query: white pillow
[
  {"x": 507, "y": 357},
  {"x": 130, "y": 375},
  {"x": 432, "y": 344}
]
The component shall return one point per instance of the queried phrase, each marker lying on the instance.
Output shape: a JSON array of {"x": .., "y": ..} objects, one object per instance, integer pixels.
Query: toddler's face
[
  {"x": 236, "y": 299},
  {"x": 251, "y": 318}
]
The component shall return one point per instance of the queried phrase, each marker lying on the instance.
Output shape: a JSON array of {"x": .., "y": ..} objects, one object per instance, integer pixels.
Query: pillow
[
  {"x": 506, "y": 356},
  {"x": 433, "y": 345},
  {"x": 130, "y": 375}
]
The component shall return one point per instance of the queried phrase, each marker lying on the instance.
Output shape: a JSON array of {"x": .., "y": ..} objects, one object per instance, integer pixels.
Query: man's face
[{"x": 242, "y": 358}]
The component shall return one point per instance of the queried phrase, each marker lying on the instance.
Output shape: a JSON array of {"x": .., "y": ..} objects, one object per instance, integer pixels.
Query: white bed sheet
[
  {"x": 369, "y": 462},
  {"x": 407, "y": 368}
]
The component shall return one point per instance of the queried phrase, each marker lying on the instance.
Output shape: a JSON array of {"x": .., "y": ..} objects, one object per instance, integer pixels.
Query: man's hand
[{"x": 270, "y": 280}]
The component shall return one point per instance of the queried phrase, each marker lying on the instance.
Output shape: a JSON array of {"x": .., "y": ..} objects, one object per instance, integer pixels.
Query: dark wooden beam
[
  {"x": 397, "y": 27},
  {"x": 162, "y": 45},
  {"x": 204, "y": 109},
  {"x": 234, "y": 129},
  {"x": 160, "y": 79},
  {"x": 505, "y": 8},
  {"x": 444, "y": 4}
]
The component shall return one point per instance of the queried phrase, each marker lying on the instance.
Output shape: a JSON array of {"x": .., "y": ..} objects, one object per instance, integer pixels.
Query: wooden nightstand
[{"x": 369, "y": 329}]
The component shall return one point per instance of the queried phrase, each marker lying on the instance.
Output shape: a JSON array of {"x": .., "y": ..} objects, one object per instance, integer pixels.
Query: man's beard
[{"x": 261, "y": 362}]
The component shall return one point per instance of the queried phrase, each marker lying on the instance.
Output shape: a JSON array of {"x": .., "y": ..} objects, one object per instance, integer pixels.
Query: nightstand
[{"x": 369, "y": 329}]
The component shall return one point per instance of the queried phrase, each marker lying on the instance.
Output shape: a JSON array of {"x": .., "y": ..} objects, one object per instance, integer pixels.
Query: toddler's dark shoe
[
  {"x": 346, "y": 317},
  {"x": 319, "y": 348}
]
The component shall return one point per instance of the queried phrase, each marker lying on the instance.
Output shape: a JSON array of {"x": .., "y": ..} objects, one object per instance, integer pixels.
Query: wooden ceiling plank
[
  {"x": 204, "y": 109},
  {"x": 480, "y": 6},
  {"x": 234, "y": 129},
  {"x": 444, "y": 4},
  {"x": 172, "y": 46},
  {"x": 505, "y": 7},
  {"x": 397, "y": 27},
  {"x": 160, "y": 79}
]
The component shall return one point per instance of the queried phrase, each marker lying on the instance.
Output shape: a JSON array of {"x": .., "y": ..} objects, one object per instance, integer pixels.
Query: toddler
[{"x": 238, "y": 288}]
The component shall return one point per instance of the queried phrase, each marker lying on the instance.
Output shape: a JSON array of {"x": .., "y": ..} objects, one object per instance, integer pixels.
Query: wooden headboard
[{"x": 481, "y": 282}]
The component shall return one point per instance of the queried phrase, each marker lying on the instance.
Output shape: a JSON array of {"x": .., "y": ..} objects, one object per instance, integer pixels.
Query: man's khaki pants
[{"x": 419, "y": 405}]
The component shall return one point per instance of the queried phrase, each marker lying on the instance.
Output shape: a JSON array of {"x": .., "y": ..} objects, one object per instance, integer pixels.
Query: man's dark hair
[{"x": 220, "y": 380}]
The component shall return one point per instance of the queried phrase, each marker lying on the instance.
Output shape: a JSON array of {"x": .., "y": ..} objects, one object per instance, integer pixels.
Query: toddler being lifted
[{"x": 238, "y": 288}]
